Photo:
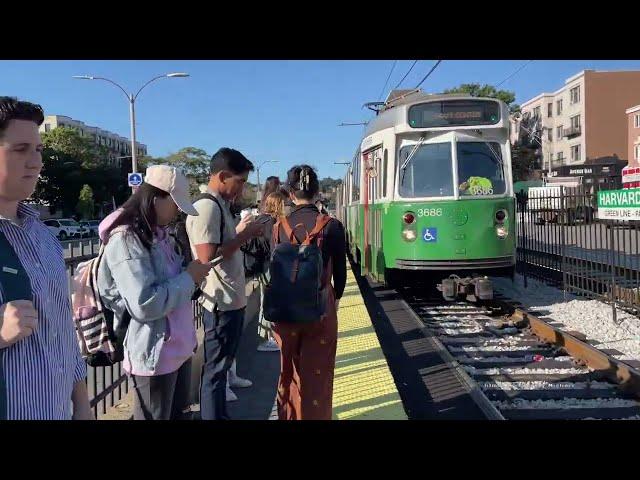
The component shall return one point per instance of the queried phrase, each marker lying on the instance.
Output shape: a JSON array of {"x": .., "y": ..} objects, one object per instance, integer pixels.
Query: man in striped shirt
[{"x": 41, "y": 367}]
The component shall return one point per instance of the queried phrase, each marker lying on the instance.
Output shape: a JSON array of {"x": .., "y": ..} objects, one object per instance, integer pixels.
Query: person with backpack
[
  {"x": 212, "y": 234},
  {"x": 273, "y": 208},
  {"x": 42, "y": 373},
  {"x": 141, "y": 278},
  {"x": 260, "y": 250},
  {"x": 308, "y": 253}
]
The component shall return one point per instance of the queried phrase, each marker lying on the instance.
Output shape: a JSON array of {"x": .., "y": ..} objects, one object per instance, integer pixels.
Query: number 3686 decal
[{"x": 429, "y": 212}]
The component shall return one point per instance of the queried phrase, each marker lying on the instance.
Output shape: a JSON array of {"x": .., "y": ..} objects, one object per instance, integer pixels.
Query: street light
[
  {"x": 258, "y": 174},
  {"x": 132, "y": 99}
]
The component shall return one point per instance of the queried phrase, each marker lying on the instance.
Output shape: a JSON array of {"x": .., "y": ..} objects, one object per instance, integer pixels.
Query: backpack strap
[
  {"x": 286, "y": 226},
  {"x": 208, "y": 196},
  {"x": 15, "y": 285},
  {"x": 321, "y": 221}
]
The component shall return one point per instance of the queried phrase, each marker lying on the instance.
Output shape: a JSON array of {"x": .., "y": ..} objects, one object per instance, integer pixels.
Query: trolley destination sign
[{"x": 619, "y": 204}]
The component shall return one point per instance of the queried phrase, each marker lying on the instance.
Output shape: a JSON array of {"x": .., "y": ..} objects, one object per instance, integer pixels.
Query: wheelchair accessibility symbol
[{"x": 430, "y": 234}]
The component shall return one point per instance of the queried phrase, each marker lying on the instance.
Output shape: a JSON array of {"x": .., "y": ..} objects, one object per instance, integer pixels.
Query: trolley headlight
[
  {"x": 502, "y": 231},
  {"x": 409, "y": 235}
]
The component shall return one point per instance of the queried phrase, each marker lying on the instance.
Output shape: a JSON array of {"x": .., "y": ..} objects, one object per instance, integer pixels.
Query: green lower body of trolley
[{"x": 462, "y": 236}]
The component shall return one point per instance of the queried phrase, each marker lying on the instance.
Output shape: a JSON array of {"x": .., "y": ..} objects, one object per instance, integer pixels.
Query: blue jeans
[{"x": 222, "y": 332}]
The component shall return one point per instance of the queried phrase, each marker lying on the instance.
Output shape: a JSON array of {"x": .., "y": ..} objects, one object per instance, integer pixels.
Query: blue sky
[{"x": 270, "y": 110}]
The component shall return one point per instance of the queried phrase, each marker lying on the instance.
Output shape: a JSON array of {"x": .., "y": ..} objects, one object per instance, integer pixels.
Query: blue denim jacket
[{"x": 132, "y": 277}]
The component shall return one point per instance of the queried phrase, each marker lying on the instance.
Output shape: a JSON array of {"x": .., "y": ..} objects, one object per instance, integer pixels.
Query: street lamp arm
[
  {"x": 152, "y": 80},
  {"x": 114, "y": 83}
]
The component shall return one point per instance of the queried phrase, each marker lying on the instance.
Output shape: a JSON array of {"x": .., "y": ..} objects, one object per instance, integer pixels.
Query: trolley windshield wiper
[
  {"x": 415, "y": 148},
  {"x": 495, "y": 153}
]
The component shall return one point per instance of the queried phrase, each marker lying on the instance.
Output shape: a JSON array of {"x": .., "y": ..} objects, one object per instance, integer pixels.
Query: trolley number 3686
[{"x": 429, "y": 212}]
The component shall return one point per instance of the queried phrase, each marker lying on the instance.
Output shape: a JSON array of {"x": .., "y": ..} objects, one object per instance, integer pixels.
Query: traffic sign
[
  {"x": 135, "y": 179},
  {"x": 619, "y": 204}
]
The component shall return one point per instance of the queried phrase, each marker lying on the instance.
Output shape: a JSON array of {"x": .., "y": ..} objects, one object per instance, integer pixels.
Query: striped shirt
[{"x": 41, "y": 369}]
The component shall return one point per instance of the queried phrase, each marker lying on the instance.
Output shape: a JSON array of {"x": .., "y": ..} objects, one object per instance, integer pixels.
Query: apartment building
[
  {"x": 581, "y": 127},
  {"x": 117, "y": 146}
]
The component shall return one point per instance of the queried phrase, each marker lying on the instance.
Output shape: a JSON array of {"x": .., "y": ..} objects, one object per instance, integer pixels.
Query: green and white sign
[{"x": 619, "y": 204}]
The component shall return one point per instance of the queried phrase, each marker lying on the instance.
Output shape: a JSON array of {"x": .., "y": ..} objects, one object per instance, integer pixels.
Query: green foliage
[
  {"x": 477, "y": 90},
  {"x": 86, "y": 206}
]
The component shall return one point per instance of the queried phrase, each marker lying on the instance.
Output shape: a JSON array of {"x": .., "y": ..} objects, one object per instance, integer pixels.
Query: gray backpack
[{"x": 296, "y": 293}]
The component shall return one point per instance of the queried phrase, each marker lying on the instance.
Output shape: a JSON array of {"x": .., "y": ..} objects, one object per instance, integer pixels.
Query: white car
[
  {"x": 65, "y": 228},
  {"x": 91, "y": 227}
]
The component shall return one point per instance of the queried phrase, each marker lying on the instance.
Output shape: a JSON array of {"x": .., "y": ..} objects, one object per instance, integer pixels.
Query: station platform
[{"x": 364, "y": 388}]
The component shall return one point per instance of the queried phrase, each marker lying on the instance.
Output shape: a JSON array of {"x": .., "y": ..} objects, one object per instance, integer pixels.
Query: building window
[
  {"x": 637, "y": 121},
  {"x": 575, "y": 95},
  {"x": 560, "y": 156},
  {"x": 575, "y": 153},
  {"x": 559, "y": 107},
  {"x": 637, "y": 149},
  {"x": 536, "y": 112},
  {"x": 575, "y": 122},
  {"x": 47, "y": 127},
  {"x": 550, "y": 134},
  {"x": 549, "y": 110},
  {"x": 559, "y": 132}
]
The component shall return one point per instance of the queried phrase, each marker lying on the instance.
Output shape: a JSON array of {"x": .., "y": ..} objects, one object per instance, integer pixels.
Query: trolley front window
[
  {"x": 429, "y": 172},
  {"x": 480, "y": 169}
]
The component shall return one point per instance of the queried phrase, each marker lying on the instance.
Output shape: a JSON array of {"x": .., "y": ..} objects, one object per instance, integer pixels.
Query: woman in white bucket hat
[{"x": 141, "y": 277}]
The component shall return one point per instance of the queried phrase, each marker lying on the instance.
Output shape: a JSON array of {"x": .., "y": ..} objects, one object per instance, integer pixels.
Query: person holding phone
[{"x": 211, "y": 234}]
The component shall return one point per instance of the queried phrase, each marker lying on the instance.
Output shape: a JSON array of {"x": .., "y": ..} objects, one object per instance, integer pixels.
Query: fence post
[
  {"x": 522, "y": 202},
  {"x": 563, "y": 240},
  {"x": 613, "y": 275}
]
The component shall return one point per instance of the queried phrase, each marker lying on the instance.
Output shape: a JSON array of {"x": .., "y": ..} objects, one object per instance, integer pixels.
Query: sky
[{"x": 286, "y": 111}]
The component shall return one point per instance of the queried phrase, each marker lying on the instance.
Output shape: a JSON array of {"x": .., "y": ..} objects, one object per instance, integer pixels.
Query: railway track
[{"x": 524, "y": 368}]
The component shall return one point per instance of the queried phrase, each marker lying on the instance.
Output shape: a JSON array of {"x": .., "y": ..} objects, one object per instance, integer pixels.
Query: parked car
[
  {"x": 65, "y": 228},
  {"x": 91, "y": 227}
]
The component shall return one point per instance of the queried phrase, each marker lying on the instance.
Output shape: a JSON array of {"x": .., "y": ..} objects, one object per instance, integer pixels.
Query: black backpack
[
  {"x": 296, "y": 293},
  {"x": 256, "y": 254},
  {"x": 180, "y": 229}
]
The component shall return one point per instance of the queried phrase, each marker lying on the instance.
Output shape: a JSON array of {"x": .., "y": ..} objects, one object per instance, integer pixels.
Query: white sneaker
[
  {"x": 238, "y": 382},
  {"x": 269, "y": 346},
  {"x": 231, "y": 397}
]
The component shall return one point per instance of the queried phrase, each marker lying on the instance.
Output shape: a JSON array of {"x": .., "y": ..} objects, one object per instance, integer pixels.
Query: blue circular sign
[{"x": 135, "y": 179}]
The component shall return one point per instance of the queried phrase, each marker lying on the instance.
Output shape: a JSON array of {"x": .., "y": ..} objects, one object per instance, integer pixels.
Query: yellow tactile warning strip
[{"x": 363, "y": 387}]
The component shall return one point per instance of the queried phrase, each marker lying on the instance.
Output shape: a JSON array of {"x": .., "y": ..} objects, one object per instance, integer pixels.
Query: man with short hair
[
  {"x": 213, "y": 233},
  {"x": 41, "y": 370}
]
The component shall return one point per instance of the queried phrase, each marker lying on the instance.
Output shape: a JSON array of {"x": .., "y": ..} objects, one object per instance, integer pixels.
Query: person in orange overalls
[{"x": 308, "y": 351}]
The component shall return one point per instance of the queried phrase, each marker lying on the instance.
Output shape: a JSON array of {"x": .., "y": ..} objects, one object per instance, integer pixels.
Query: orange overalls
[{"x": 308, "y": 353}]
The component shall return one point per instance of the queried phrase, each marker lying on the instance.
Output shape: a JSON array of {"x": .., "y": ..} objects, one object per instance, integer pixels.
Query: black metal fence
[
  {"x": 106, "y": 385},
  {"x": 560, "y": 239}
]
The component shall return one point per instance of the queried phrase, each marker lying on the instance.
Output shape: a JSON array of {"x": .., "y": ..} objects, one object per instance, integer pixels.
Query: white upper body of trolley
[{"x": 438, "y": 147}]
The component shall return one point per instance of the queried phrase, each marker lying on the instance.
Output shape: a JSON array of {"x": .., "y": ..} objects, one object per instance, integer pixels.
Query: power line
[
  {"x": 387, "y": 81},
  {"x": 405, "y": 75},
  {"x": 514, "y": 73},
  {"x": 430, "y": 72}
]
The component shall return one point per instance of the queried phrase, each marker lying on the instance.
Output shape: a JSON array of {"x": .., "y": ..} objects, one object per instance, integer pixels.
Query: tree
[
  {"x": 193, "y": 162},
  {"x": 71, "y": 161},
  {"x": 476, "y": 90},
  {"x": 85, "y": 207}
]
